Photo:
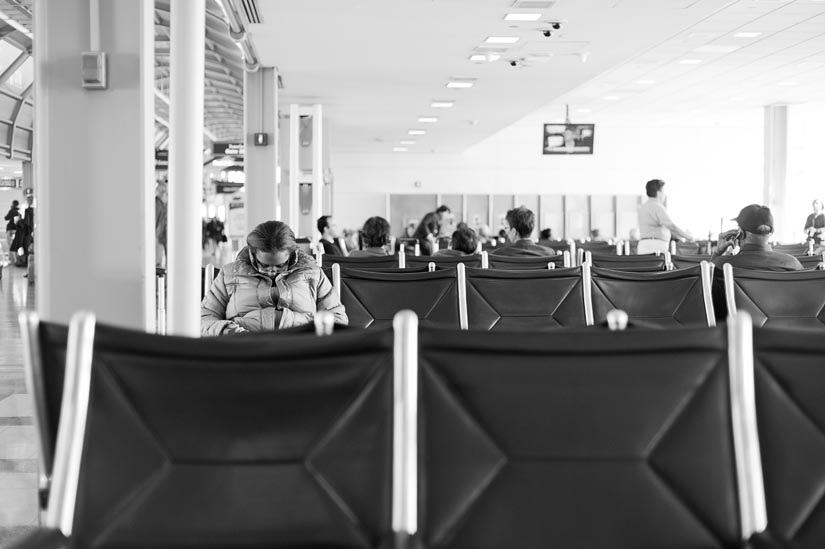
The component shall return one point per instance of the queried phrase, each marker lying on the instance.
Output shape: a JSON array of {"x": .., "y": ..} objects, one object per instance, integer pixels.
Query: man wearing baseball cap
[{"x": 755, "y": 228}]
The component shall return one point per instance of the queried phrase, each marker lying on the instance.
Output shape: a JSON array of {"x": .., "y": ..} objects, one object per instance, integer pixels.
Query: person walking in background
[
  {"x": 426, "y": 233},
  {"x": 11, "y": 218},
  {"x": 271, "y": 285},
  {"x": 329, "y": 234},
  {"x": 655, "y": 225},
  {"x": 446, "y": 221},
  {"x": 815, "y": 224},
  {"x": 375, "y": 238},
  {"x": 161, "y": 194}
]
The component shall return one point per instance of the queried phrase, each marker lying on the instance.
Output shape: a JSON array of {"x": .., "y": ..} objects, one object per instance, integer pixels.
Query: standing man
[
  {"x": 655, "y": 225},
  {"x": 518, "y": 225},
  {"x": 815, "y": 224},
  {"x": 161, "y": 195},
  {"x": 329, "y": 233}
]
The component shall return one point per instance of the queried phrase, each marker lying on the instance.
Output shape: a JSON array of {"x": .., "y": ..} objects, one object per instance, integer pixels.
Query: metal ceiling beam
[{"x": 16, "y": 64}]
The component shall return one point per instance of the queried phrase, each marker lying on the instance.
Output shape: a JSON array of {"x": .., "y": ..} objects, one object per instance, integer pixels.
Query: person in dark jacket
[
  {"x": 426, "y": 233},
  {"x": 270, "y": 285},
  {"x": 519, "y": 225},
  {"x": 755, "y": 228},
  {"x": 329, "y": 233},
  {"x": 11, "y": 218}
]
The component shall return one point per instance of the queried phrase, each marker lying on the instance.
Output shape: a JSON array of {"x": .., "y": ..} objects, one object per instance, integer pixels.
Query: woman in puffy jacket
[{"x": 270, "y": 285}]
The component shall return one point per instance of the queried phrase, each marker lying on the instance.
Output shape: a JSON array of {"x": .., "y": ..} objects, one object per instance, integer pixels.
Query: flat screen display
[{"x": 568, "y": 138}]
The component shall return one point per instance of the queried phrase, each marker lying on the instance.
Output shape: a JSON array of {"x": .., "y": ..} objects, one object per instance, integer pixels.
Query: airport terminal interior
[{"x": 225, "y": 114}]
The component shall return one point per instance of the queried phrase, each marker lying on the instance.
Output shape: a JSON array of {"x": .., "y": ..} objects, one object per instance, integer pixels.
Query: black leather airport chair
[
  {"x": 557, "y": 245},
  {"x": 793, "y": 249},
  {"x": 790, "y": 382},
  {"x": 44, "y": 363},
  {"x": 630, "y": 263},
  {"x": 656, "y": 299},
  {"x": 208, "y": 274},
  {"x": 367, "y": 263},
  {"x": 811, "y": 261},
  {"x": 582, "y": 438},
  {"x": 266, "y": 441},
  {"x": 687, "y": 261},
  {"x": 373, "y": 298},
  {"x": 518, "y": 263},
  {"x": 526, "y": 299},
  {"x": 794, "y": 299},
  {"x": 444, "y": 262},
  {"x": 597, "y": 247}
]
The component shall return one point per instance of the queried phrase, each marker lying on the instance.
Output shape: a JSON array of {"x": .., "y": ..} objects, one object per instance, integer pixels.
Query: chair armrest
[
  {"x": 768, "y": 540},
  {"x": 42, "y": 538}
]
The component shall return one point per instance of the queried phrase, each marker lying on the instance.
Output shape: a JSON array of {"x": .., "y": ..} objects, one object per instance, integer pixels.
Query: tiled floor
[{"x": 18, "y": 452}]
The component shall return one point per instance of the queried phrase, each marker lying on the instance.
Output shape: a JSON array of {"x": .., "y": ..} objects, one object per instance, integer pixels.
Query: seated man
[
  {"x": 518, "y": 226},
  {"x": 375, "y": 237},
  {"x": 463, "y": 242},
  {"x": 755, "y": 228},
  {"x": 329, "y": 232}
]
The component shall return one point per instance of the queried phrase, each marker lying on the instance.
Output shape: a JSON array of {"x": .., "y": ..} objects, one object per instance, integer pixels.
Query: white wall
[{"x": 713, "y": 167}]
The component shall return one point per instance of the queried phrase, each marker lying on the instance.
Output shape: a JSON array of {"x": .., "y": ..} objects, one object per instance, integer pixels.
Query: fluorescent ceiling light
[
  {"x": 690, "y": 61},
  {"x": 522, "y": 17},
  {"x": 501, "y": 39},
  {"x": 746, "y": 34},
  {"x": 399, "y": 149},
  {"x": 611, "y": 98},
  {"x": 645, "y": 81},
  {"x": 407, "y": 142},
  {"x": 484, "y": 57},
  {"x": 460, "y": 84},
  {"x": 416, "y": 132},
  {"x": 428, "y": 119},
  {"x": 442, "y": 104},
  {"x": 716, "y": 48}
]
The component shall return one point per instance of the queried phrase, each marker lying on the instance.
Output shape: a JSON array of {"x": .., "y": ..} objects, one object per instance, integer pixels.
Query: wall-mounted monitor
[{"x": 568, "y": 138}]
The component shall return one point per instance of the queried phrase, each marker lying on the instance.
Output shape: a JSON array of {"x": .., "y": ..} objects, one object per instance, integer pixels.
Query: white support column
[
  {"x": 261, "y": 162},
  {"x": 94, "y": 172},
  {"x": 186, "y": 69},
  {"x": 776, "y": 162},
  {"x": 318, "y": 206},
  {"x": 293, "y": 214}
]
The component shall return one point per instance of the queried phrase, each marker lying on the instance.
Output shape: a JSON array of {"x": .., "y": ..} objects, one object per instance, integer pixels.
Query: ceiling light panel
[
  {"x": 459, "y": 83},
  {"x": 416, "y": 132},
  {"x": 522, "y": 17},
  {"x": 399, "y": 149},
  {"x": 441, "y": 104},
  {"x": 501, "y": 39},
  {"x": 533, "y": 4},
  {"x": 428, "y": 119},
  {"x": 716, "y": 48}
]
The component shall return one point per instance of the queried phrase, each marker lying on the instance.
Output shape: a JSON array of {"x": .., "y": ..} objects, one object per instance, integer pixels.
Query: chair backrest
[
  {"x": 44, "y": 362},
  {"x": 372, "y": 299},
  {"x": 633, "y": 263},
  {"x": 810, "y": 261},
  {"x": 687, "y": 261},
  {"x": 208, "y": 274},
  {"x": 790, "y": 382},
  {"x": 512, "y": 263},
  {"x": 580, "y": 438},
  {"x": 793, "y": 249},
  {"x": 557, "y": 245},
  {"x": 526, "y": 299},
  {"x": 444, "y": 261},
  {"x": 656, "y": 299},
  {"x": 305, "y": 245},
  {"x": 255, "y": 441},
  {"x": 794, "y": 299},
  {"x": 597, "y": 247},
  {"x": 367, "y": 263}
]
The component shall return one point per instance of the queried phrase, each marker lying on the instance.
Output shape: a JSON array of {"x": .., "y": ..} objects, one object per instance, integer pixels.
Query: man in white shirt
[{"x": 655, "y": 225}]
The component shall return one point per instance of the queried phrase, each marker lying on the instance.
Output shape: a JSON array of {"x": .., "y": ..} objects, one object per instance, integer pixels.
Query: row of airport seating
[
  {"x": 409, "y": 436},
  {"x": 492, "y": 299}
]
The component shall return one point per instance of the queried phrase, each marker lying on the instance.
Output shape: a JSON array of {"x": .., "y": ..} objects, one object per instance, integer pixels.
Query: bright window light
[
  {"x": 501, "y": 39},
  {"x": 522, "y": 17}
]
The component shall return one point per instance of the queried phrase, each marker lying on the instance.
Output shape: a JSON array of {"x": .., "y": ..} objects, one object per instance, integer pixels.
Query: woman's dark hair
[
  {"x": 464, "y": 240},
  {"x": 654, "y": 186},
  {"x": 15, "y": 203},
  {"x": 375, "y": 232},
  {"x": 271, "y": 237},
  {"x": 428, "y": 225}
]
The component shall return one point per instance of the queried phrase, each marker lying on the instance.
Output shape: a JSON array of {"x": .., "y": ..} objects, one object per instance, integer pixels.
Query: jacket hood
[{"x": 298, "y": 261}]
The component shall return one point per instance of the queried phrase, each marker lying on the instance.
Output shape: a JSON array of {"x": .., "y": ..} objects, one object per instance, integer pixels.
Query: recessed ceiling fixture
[
  {"x": 407, "y": 142},
  {"x": 461, "y": 82},
  {"x": 746, "y": 34},
  {"x": 690, "y": 61},
  {"x": 416, "y": 132},
  {"x": 645, "y": 81},
  {"x": 716, "y": 48},
  {"x": 399, "y": 149},
  {"x": 501, "y": 39},
  {"x": 484, "y": 57},
  {"x": 442, "y": 104},
  {"x": 428, "y": 119},
  {"x": 533, "y": 4},
  {"x": 522, "y": 17}
]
